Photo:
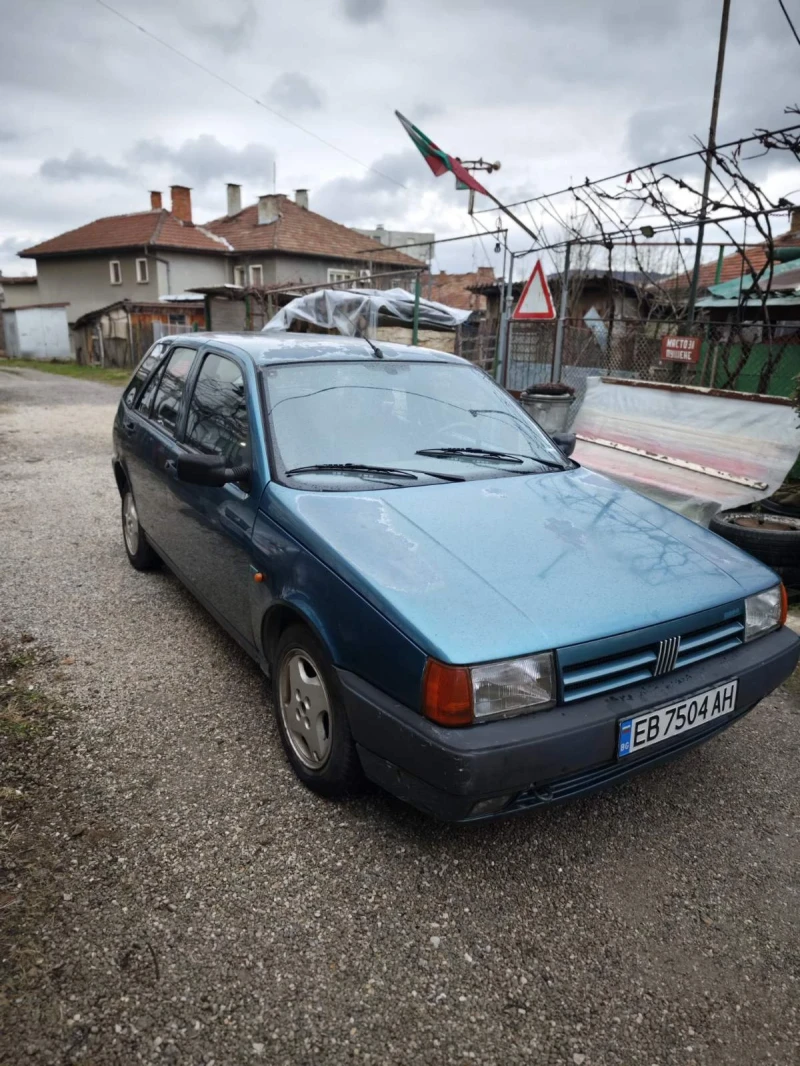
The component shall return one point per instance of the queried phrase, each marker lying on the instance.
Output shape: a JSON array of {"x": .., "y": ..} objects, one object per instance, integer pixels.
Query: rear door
[
  {"x": 211, "y": 527},
  {"x": 152, "y": 446}
]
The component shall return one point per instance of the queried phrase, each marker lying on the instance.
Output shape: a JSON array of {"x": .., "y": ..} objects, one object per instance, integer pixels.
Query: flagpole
[{"x": 511, "y": 215}]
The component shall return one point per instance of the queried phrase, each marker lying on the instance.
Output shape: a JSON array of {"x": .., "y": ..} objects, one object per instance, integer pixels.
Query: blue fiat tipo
[{"x": 445, "y": 602}]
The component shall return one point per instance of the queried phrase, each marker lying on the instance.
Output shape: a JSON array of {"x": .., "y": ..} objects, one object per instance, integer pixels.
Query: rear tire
[
  {"x": 140, "y": 555},
  {"x": 311, "y": 717}
]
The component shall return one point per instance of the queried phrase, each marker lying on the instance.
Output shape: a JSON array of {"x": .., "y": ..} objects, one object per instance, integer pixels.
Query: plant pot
[{"x": 550, "y": 412}]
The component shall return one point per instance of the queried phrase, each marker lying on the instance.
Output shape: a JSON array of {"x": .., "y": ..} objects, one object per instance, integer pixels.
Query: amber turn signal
[
  {"x": 447, "y": 694},
  {"x": 784, "y": 605}
]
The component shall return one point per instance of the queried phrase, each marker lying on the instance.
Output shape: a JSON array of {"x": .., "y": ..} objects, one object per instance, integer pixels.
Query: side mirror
[
  {"x": 208, "y": 470},
  {"x": 565, "y": 442}
]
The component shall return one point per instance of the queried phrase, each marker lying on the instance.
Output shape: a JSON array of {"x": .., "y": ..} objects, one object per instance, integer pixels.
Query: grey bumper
[{"x": 547, "y": 757}]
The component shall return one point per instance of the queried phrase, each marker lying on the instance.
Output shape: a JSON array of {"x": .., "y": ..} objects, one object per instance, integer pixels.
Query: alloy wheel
[{"x": 305, "y": 709}]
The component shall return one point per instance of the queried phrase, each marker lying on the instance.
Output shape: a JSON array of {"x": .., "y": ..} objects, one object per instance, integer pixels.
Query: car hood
[{"x": 488, "y": 569}]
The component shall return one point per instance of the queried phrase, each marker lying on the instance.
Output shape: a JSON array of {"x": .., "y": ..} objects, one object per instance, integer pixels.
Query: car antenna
[{"x": 376, "y": 350}]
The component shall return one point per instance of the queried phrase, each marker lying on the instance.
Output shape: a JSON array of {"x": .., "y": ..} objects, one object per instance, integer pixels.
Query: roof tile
[
  {"x": 303, "y": 232},
  {"x": 159, "y": 228}
]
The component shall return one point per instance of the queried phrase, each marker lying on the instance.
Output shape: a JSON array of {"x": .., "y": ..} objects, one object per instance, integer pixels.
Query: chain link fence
[{"x": 744, "y": 357}]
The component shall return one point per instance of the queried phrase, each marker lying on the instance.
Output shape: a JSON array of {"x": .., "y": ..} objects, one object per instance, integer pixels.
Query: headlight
[
  {"x": 764, "y": 611},
  {"x": 461, "y": 695},
  {"x": 514, "y": 686}
]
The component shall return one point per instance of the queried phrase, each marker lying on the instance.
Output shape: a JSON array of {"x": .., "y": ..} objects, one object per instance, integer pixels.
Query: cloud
[
  {"x": 205, "y": 159},
  {"x": 78, "y": 166},
  {"x": 11, "y": 245},
  {"x": 294, "y": 92},
  {"x": 233, "y": 36},
  {"x": 373, "y": 197},
  {"x": 424, "y": 110},
  {"x": 364, "y": 10}
]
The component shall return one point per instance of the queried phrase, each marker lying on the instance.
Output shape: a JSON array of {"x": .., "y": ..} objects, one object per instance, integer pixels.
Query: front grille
[{"x": 581, "y": 680}]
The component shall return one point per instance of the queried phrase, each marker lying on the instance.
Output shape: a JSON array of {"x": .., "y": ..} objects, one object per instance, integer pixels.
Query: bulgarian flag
[{"x": 440, "y": 162}]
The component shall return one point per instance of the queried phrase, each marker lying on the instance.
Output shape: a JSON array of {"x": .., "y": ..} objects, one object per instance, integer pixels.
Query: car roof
[{"x": 265, "y": 348}]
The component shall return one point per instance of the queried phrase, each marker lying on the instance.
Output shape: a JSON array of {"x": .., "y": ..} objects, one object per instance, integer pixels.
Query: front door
[{"x": 211, "y": 528}]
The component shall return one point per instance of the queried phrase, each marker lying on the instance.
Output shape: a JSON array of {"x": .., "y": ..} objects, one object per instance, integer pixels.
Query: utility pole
[
  {"x": 563, "y": 309},
  {"x": 711, "y": 148}
]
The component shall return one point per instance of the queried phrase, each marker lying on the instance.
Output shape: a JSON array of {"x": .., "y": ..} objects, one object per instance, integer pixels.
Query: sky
[{"x": 96, "y": 113}]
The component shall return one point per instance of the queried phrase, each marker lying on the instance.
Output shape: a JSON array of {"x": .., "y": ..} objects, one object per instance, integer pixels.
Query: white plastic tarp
[
  {"x": 355, "y": 312},
  {"x": 752, "y": 442}
]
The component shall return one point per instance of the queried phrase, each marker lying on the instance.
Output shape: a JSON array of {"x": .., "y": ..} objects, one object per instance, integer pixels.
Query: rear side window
[
  {"x": 217, "y": 422},
  {"x": 167, "y": 400},
  {"x": 143, "y": 372}
]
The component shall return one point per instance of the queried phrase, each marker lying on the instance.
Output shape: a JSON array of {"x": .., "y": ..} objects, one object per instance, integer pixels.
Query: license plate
[{"x": 666, "y": 722}]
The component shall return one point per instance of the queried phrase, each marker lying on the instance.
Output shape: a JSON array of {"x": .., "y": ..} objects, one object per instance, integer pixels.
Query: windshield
[{"x": 431, "y": 419}]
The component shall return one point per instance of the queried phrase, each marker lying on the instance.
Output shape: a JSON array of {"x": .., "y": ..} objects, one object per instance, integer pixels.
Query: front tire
[
  {"x": 311, "y": 717},
  {"x": 140, "y": 555}
]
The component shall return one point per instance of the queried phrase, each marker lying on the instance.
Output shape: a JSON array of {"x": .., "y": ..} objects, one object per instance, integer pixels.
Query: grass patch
[
  {"x": 25, "y": 711},
  {"x": 109, "y": 375}
]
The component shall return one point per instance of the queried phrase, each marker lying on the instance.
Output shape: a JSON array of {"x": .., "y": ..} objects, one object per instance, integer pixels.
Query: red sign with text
[{"x": 680, "y": 349}]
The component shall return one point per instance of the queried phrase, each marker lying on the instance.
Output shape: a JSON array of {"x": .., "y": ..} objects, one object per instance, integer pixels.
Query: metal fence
[
  {"x": 744, "y": 357},
  {"x": 478, "y": 343}
]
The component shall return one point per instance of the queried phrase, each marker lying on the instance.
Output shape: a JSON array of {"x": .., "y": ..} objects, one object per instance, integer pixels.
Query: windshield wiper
[
  {"x": 487, "y": 453},
  {"x": 352, "y": 468},
  {"x": 365, "y": 468}
]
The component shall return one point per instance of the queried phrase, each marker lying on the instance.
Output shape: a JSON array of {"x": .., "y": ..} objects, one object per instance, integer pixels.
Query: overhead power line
[
  {"x": 243, "y": 92},
  {"x": 789, "y": 20},
  {"x": 645, "y": 166},
  {"x": 427, "y": 244}
]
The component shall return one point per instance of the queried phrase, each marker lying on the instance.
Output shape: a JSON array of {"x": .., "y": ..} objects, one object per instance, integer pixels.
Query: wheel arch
[
  {"x": 120, "y": 477},
  {"x": 277, "y": 619}
]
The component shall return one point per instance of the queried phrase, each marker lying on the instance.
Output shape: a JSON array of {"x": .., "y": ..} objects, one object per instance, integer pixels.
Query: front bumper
[{"x": 550, "y": 756}]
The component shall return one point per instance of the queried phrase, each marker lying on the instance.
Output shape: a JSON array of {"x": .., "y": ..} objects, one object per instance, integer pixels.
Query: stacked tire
[{"x": 772, "y": 538}]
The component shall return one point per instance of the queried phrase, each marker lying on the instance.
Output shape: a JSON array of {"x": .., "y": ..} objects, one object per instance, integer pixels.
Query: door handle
[{"x": 128, "y": 427}]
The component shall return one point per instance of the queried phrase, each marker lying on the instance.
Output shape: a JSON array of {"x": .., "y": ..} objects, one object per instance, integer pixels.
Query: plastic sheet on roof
[
  {"x": 748, "y": 439},
  {"x": 356, "y": 312}
]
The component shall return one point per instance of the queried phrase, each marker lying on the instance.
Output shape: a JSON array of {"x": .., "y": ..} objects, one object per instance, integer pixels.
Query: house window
[
  {"x": 115, "y": 272},
  {"x": 256, "y": 275},
  {"x": 239, "y": 276},
  {"x": 341, "y": 275},
  {"x": 142, "y": 275}
]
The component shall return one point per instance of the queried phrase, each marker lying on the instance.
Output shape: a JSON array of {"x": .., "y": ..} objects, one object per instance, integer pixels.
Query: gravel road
[{"x": 205, "y": 908}]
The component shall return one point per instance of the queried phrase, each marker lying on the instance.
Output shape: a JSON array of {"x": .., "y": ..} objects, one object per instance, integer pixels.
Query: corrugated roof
[
  {"x": 782, "y": 283},
  {"x": 158, "y": 228},
  {"x": 302, "y": 232}
]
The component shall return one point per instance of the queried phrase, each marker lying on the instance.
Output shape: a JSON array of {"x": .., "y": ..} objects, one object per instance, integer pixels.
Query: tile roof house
[
  {"x": 19, "y": 290},
  {"x": 140, "y": 257},
  {"x": 287, "y": 242},
  {"x": 144, "y": 256},
  {"x": 734, "y": 265}
]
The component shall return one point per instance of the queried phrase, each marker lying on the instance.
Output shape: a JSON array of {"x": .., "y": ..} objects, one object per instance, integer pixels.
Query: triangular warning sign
[{"x": 535, "y": 303}]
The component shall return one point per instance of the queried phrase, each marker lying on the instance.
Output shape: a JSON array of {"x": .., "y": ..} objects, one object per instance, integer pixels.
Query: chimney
[
  {"x": 181, "y": 202},
  {"x": 301, "y": 198},
  {"x": 267, "y": 209},
  {"x": 234, "y": 199},
  {"x": 794, "y": 220},
  {"x": 155, "y": 200}
]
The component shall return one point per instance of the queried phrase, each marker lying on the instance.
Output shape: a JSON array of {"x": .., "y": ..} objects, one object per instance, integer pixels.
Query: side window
[
  {"x": 217, "y": 423},
  {"x": 167, "y": 399},
  {"x": 143, "y": 371}
]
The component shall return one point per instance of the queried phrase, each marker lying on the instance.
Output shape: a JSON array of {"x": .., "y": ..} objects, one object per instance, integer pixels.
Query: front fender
[{"x": 358, "y": 637}]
